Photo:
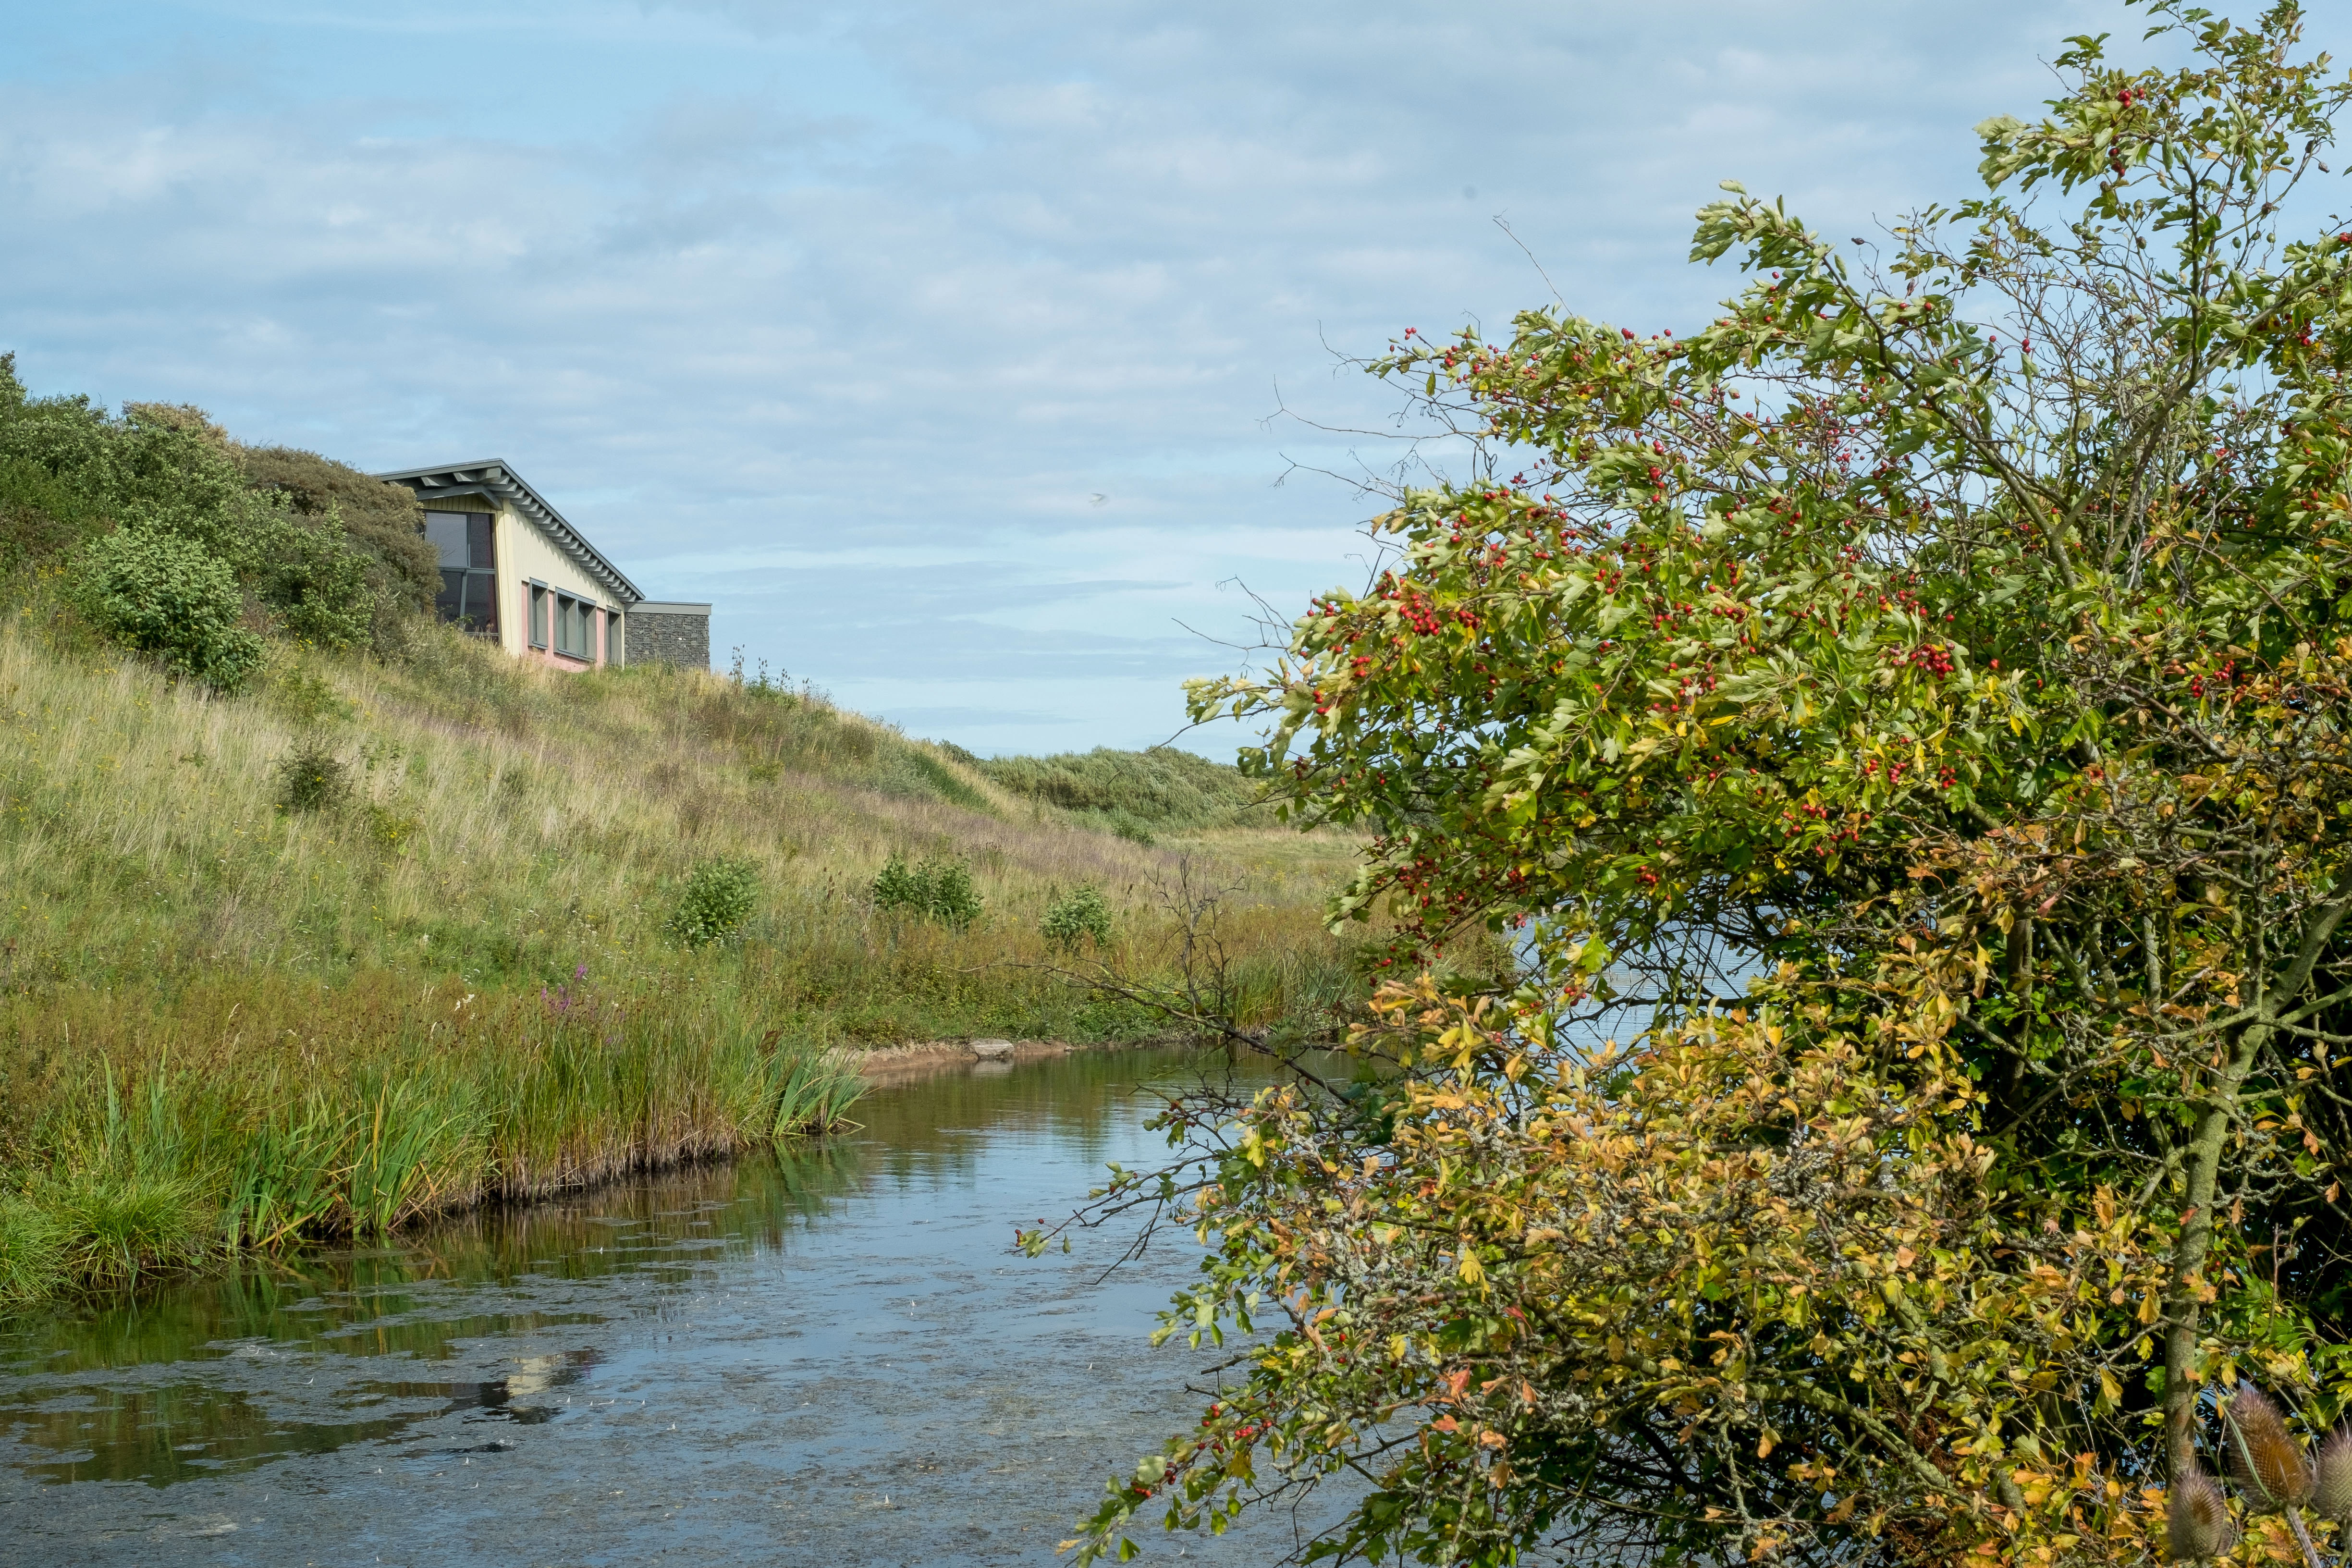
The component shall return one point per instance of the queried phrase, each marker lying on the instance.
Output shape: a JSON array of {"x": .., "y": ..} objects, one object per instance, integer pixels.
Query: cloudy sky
[{"x": 946, "y": 348}]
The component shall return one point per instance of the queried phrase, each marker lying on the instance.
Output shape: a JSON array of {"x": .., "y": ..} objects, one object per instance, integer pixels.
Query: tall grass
[
  {"x": 225, "y": 1023},
  {"x": 1142, "y": 795},
  {"x": 357, "y": 1109}
]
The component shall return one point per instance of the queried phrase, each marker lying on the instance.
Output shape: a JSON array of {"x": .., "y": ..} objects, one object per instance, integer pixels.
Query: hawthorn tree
[{"x": 1911, "y": 712}]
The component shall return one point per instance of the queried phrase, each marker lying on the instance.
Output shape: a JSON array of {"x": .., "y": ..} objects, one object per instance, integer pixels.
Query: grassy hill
[
  {"x": 370, "y": 921},
  {"x": 1139, "y": 795}
]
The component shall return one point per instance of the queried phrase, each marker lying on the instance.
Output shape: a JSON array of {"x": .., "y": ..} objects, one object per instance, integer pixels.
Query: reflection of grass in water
[
  {"x": 292, "y": 1308},
  {"x": 276, "y": 1322}
]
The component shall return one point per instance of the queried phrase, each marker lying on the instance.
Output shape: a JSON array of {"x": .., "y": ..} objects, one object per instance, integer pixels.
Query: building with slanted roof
[{"x": 514, "y": 570}]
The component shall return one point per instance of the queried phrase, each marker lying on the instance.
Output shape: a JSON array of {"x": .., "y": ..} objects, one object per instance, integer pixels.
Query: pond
[{"x": 827, "y": 1355}]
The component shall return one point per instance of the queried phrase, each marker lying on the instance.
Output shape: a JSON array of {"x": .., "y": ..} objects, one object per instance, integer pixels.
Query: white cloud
[{"x": 841, "y": 316}]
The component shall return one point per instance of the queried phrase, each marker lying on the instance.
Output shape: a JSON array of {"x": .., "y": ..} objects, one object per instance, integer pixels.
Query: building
[{"x": 513, "y": 570}]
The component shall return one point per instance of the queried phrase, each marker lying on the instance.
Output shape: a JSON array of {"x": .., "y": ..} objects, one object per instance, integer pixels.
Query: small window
[
  {"x": 572, "y": 635},
  {"x": 539, "y": 608}
]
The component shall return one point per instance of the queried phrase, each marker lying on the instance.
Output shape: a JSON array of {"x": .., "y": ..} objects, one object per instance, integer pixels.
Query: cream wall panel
[{"x": 526, "y": 554}]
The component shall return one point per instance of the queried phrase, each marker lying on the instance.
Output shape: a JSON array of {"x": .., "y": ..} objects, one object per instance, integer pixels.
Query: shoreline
[{"x": 886, "y": 1067}]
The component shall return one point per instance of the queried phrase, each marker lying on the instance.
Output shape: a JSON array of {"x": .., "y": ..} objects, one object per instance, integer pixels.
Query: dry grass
[{"x": 453, "y": 983}]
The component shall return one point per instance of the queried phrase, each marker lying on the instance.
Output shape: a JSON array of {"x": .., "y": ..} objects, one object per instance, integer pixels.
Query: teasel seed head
[
  {"x": 2332, "y": 1496},
  {"x": 2197, "y": 1521},
  {"x": 2266, "y": 1459}
]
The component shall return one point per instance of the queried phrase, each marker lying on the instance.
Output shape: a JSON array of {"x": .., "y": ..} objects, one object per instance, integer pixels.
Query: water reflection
[{"x": 829, "y": 1351}]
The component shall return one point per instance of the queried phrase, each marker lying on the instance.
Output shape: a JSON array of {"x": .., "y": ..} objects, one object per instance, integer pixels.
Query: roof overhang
[{"x": 492, "y": 477}]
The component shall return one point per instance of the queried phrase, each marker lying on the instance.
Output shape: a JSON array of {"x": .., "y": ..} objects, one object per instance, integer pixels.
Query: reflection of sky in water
[{"x": 831, "y": 1355}]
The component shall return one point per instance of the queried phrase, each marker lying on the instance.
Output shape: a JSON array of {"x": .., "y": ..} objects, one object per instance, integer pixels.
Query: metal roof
[{"x": 493, "y": 477}]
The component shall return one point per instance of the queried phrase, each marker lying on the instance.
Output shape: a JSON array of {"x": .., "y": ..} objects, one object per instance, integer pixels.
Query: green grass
[
  {"x": 226, "y": 1021},
  {"x": 413, "y": 927},
  {"x": 1141, "y": 796}
]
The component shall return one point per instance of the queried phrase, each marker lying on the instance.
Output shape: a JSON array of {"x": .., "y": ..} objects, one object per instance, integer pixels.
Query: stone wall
[{"x": 660, "y": 637}]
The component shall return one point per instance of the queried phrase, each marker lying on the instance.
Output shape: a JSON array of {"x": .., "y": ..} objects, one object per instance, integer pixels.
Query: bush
[
  {"x": 719, "y": 899},
  {"x": 937, "y": 890},
  {"x": 1076, "y": 914},
  {"x": 383, "y": 520},
  {"x": 168, "y": 597},
  {"x": 311, "y": 777}
]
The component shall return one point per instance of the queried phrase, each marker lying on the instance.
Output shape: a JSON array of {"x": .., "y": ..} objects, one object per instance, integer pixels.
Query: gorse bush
[
  {"x": 167, "y": 597},
  {"x": 720, "y": 897},
  {"x": 939, "y": 891},
  {"x": 311, "y": 777},
  {"x": 1076, "y": 916}
]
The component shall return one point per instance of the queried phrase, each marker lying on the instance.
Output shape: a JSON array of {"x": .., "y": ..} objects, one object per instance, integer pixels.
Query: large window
[{"x": 469, "y": 577}]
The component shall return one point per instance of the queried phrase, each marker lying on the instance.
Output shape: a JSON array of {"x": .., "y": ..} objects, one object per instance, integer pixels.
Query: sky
[{"x": 991, "y": 366}]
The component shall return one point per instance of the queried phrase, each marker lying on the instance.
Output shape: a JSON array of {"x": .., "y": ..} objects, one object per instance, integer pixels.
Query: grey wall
[{"x": 650, "y": 636}]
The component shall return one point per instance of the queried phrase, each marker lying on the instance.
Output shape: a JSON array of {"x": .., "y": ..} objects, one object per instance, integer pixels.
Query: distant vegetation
[
  {"x": 1139, "y": 795},
  {"x": 321, "y": 916}
]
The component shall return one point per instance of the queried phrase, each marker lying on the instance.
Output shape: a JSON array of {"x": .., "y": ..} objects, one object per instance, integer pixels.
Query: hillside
[{"x": 365, "y": 921}]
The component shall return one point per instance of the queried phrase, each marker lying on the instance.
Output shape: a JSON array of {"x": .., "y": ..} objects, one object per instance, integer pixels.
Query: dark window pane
[
  {"x": 446, "y": 532},
  {"x": 477, "y": 540},
  {"x": 450, "y": 603},
  {"x": 482, "y": 602}
]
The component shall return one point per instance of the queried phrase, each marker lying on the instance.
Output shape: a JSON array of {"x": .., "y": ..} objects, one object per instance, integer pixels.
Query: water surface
[{"x": 827, "y": 1356}]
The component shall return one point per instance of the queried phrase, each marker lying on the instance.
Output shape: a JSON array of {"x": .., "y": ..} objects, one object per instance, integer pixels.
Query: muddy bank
[{"x": 887, "y": 1065}]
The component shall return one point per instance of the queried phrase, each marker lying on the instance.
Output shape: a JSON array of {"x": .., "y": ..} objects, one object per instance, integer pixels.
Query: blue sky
[{"x": 945, "y": 347}]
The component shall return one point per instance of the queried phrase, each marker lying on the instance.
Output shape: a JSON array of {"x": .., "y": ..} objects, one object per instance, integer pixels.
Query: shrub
[
  {"x": 720, "y": 897},
  {"x": 308, "y": 570},
  {"x": 170, "y": 598},
  {"x": 390, "y": 828},
  {"x": 937, "y": 890},
  {"x": 311, "y": 777},
  {"x": 383, "y": 520},
  {"x": 1076, "y": 914},
  {"x": 307, "y": 697}
]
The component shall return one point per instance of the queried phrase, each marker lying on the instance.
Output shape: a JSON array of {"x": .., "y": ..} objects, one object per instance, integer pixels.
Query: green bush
[
  {"x": 170, "y": 598},
  {"x": 165, "y": 471},
  {"x": 719, "y": 899},
  {"x": 311, "y": 777},
  {"x": 937, "y": 890},
  {"x": 383, "y": 520},
  {"x": 1075, "y": 915}
]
